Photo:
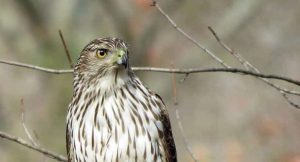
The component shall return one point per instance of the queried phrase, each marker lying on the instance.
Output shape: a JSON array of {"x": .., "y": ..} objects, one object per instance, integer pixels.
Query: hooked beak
[{"x": 122, "y": 59}]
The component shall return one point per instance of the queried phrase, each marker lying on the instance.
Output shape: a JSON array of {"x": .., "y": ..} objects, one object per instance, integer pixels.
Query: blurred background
[{"x": 226, "y": 117}]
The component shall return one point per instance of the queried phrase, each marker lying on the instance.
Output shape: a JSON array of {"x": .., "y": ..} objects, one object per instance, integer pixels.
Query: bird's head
[{"x": 103, "y": 56}]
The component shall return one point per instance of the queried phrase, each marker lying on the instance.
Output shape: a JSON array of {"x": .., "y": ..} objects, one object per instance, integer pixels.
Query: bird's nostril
[{"x": 119, "y": 55}]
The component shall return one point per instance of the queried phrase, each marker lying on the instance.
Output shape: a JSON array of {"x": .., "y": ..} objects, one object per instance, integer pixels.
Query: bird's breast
[{"x": 123, "y": 124}]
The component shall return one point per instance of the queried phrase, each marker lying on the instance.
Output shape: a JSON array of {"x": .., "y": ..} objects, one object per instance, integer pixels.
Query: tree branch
[
  {"x": 166, "y": 70},
  {"x": 283, "y": 91},
  {"x": 33, "y": 147},
  {"x": 34, "y": 67},
  {"x": 182, "y": 132},
  {"x": 178, "y": 119},
  {"x": 66, "y": 48},
  {"x": 22, "y": 109},
  {"x": 231, "y": 70},
  {"x": 187, "y": 36}
]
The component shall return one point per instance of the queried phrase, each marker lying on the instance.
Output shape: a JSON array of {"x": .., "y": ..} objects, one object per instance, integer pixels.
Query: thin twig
[
  {"x": 167, "y": 70},
  {"x": 231, "y": 51},
  {"x": 34, "y": 142},
  {"x": 190, "y": 38},
  {"x": 186, "y": 143},
  {"x": 245, "y": 63},
  {"x": 33, "y": 147},
  {"x": 66, "y": 48},
  {"x": 22, "y": 109},
  {"x": 250, "y": 67},
  {"x": 231, "y": 70},
  {"x": 184, "y": 78},
  {"x": 178, "y": 119},
  {"x": 34, "y": 67},
  {"x": 174, "y": 86}
]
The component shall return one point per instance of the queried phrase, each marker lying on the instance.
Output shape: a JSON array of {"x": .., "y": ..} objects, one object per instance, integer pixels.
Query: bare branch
[
  {"x": 66, "y": 48},
  {"x": 241, "y": 60},
  {"x": 174, "y": 87},
  {"x": 34, "y": 67},
  {"x": 230, "y": 50},
  {"x": 250, "y": 67},
  {"x": 186, "y": 143},
  {"x": 184, "y": 78},
  {"x": 190, "y": 38},
  {"x": 33, "y": 147},
  {"x": 167, "y": 70},
  {"x": 231, "y": 70},
  {"x": 22, "y": 109},
  {"x": 185, "y": 140}
]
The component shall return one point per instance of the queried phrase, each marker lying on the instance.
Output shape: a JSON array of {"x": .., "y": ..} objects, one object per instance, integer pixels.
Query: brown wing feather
[
  {"x": 168, "y": 140},
  {"x": 68, "y": 143}
]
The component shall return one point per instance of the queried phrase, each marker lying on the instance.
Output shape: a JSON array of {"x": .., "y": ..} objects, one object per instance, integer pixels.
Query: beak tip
[
  {"x": 125, "y": 64},
  {"x": 123, "y": 61}
]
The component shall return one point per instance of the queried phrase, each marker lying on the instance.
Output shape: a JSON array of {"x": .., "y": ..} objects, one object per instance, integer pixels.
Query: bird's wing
[
  {"x": 68, "y": 143},
  {"x": 168, "y": 140}
]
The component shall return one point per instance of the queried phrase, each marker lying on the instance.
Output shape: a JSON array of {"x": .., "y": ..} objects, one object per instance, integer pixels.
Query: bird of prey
[{"x": 113, "y": 116}]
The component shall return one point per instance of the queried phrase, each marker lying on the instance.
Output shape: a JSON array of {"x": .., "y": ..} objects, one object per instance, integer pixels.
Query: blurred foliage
[{"x": 226, "y": 117}]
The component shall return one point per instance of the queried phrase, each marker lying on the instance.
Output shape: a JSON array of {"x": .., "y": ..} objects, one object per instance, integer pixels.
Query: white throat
[{"x": 115, "y": 79}]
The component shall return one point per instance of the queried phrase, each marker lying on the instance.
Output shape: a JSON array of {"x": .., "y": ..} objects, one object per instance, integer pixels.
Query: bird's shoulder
[{"x": 167, "y": 139}]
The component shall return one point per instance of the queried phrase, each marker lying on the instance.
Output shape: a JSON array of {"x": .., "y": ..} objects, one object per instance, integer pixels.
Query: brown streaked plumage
[{"x": 113, "y": 116}]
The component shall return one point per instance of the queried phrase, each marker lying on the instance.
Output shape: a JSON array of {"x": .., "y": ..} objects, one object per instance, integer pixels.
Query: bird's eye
[{"x": 101, "y": 53}]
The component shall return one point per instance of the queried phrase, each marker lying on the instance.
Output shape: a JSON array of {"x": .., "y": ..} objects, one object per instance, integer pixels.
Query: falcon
[{"x": 113, "y": 116}]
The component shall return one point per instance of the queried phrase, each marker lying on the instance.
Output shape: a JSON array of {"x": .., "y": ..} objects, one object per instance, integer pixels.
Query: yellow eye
[{"x": 101, "y": 53}]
